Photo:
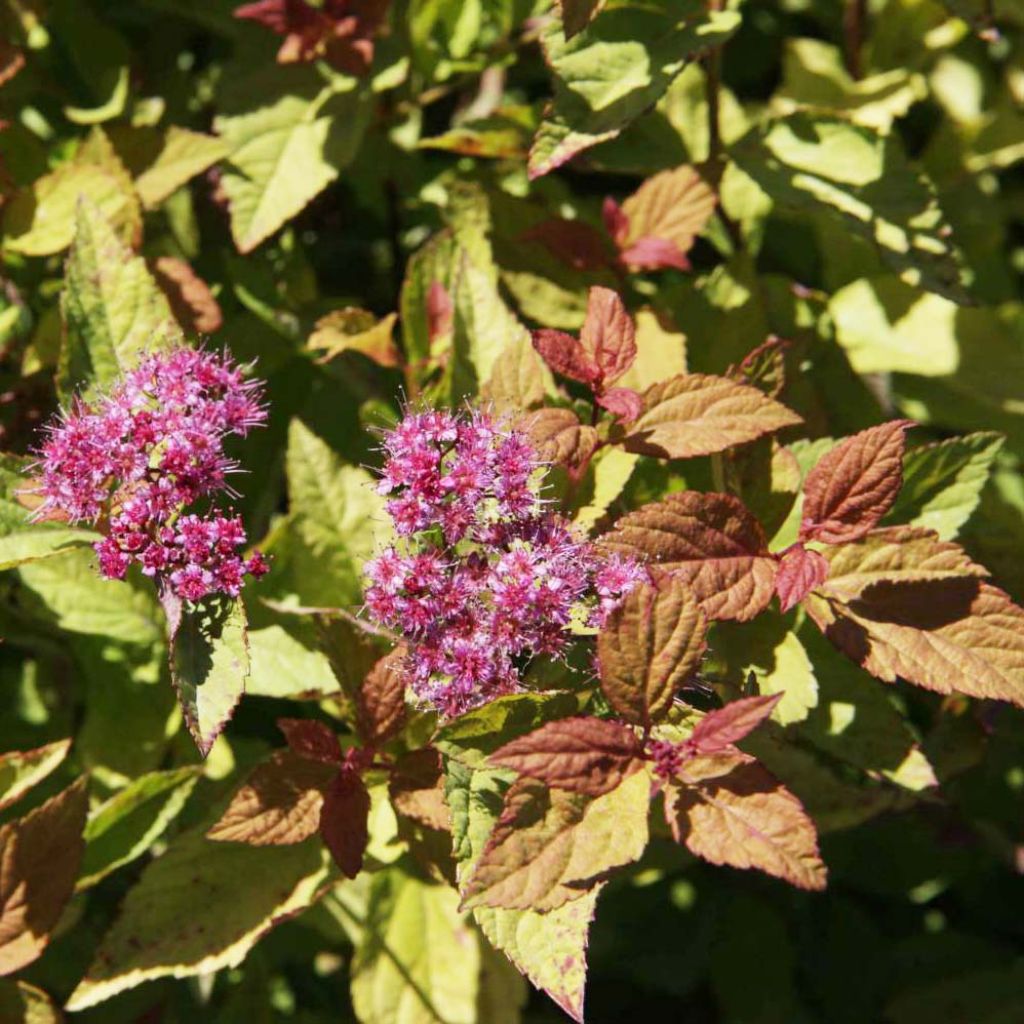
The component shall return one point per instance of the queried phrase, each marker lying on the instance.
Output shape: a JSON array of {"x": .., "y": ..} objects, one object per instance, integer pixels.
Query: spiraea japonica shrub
[{"x": 508, "y": 500}]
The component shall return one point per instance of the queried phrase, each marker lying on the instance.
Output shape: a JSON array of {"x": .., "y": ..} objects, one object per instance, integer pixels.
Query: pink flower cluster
[
  {"x": 134, "y": 460},
  {"x": 486, "y": 578}
]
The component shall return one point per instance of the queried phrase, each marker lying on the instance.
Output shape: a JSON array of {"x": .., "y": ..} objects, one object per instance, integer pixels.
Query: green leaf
[
  {"x": 814, "y": 77},
  {"x": 337, "y": 518},
  {"x": 22, "y": 539},
  {"x": 471, "y": 738},
  {"x": 285, "y": 152},
  {"x": 616, "y": 68},
  {"x": 199, "y": 908},
  {"x": 183, "y": 155},
  {"x": 20, "y": 770},
  {"x": 113, "y": 310},
  {"x": 419, "y": 960},
  {"x": 942, "y": 482},
  {"x": 22, "y": 1003},
  {"x": 40, "y": 220},
  {"x": 128, "y": 824},
  {"x": 551, "y": 845},
  {"x": 283, "y": 666},
  {"x": 768, "y": 648},
  {"x": 821, "y": 164},
  {"x": 550, "y": 949},
  {"x": 209, "y": 664},
  {"x": 68, "y": 591}
]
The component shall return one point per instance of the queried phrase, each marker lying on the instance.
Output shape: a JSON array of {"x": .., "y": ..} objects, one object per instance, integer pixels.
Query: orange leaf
[
  {"x": 583, "y": 755},
  {"x": 651, "y": 644},
  {"x": 416, "y": 788},
  {"x": 192, "y": 302},
  {"x": 728, "y": 809},
  {"x": 550, "y": 845},
  {"x": 279, "y": 804},
  {"x": 560, "y": 438},
  {"x": 40, "y": 855},
  {"x": 895, "y": 554},
  {"x": 854, "y": 484},
  {"x": 697, "y": 414},
  {"x": 380, "y": 700},
  {"x": 955, "y": 635},
  {"x": 723, "y": 727},
  {"x": 663, "y": 218},
  {"x": 710, "y": 541}
]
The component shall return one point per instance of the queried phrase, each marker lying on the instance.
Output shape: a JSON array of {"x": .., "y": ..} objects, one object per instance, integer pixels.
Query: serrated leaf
[
  {"x": 892, "y": 555},
  {"x": 852, "y": 486},
  {"x": 560, "y": 439},
  {"x": 519, "y": 379},
  {"x": 343, "y": 821},
  {"x": 580, "y": 754},
  {"x": 416, "y": 788},
  {"x": 550, "y": 845},
  {"x": 183, "y": 155},
  {"x": 281, "y": 155},
  {"x": 380, "y": 699},
  {"x": 723, "y": 727},
  {"x": 709, "y": 541},
  {"x": 864, "y": 182},
  {"x": 956, "y": 635},
  {"x": 200, "y": 907},
  {"x": 279, "y": 804},
  {"x": 471, "y": 738},
  {"x": 615, "y": 69},
  {"x": 209, "y": 656},
  {"x": 942, "y": 482},
  {"x": 670, "y": 208},
  {"x": 550, "y": 948},
  {"x": 39, "y": 859},
  {"x": 20, "y": 770},
  {"x": 800, "y": 570},
  {"x": 113, "y": 309},
  {"x": 128, "y": 824},
  {"x": 40, "y": 220},
  {"x": 650, "y": 645},
  {"x": 730, "y": 810},
  {"x": 697, "y": 414}
]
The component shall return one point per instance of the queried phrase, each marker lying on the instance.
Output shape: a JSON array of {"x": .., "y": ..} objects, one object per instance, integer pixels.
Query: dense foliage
[{"x": 508, "y": 497}]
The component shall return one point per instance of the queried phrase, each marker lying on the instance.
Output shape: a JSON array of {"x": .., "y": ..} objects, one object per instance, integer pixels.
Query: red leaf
[
  {"x": 565, "y": 355},
  {"x": 416, "y": 788},
  {"x": 440, "y": 312},
  {"x": 560, "y": 438},
  {"x": 274, "y": 14},
  {"x": 583, "y": 755},
  {"x": 312, "y": 740},
  {"x": 854, "y": 484},
  {"x": 572, "y": 242},
  {"x": 623, "y": 402},
  {"x": 606, "y": 347},
  {"x": 651, "y": 253},
  {"x": 343, "y": 821},
  {"x": 800, "y": 571},
  {"x": 720, "y": 729},
  {"x": 380, "y": 700},
  {"x": 615, "y": 221}
]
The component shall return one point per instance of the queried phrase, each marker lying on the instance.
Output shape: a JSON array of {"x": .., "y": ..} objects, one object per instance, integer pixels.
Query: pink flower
[
  {"x": 485, "y": 578},
  {"x": 146, "y": 451}
]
